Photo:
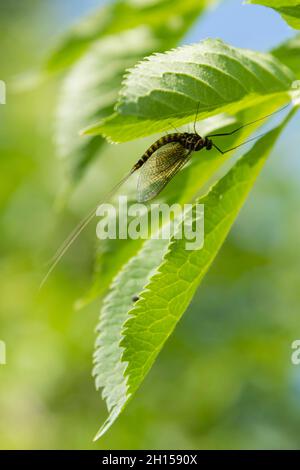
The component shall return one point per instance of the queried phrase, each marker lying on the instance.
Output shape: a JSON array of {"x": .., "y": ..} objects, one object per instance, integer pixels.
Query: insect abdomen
[{"x": 166, "y": 139}]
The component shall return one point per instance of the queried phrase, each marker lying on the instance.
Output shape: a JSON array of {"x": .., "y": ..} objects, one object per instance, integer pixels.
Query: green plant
[{"x": 168, "y": 86}]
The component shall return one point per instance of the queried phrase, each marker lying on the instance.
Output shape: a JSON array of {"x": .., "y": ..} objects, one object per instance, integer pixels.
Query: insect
[{"x": 158, "y": 165}]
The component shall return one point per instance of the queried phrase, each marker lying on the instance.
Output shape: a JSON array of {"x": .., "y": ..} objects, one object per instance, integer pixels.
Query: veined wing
[{"x": 159, "y": 169}]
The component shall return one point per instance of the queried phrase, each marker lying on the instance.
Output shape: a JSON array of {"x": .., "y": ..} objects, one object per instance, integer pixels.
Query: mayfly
[{"x": 158, "y": 165}]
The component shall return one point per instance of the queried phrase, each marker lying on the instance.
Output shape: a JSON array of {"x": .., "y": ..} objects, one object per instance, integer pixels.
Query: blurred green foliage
[{"x": 224, "y": 380}]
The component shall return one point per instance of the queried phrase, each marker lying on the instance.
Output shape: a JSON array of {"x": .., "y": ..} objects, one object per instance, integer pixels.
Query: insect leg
[
  {"x": 247, "y": 124},
  {"x": 237, "y": 146}
]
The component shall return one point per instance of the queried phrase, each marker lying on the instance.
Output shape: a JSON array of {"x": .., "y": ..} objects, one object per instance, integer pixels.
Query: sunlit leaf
[
  {"x": 130, "y": 337},
  {"x": 211, "y": 76}
]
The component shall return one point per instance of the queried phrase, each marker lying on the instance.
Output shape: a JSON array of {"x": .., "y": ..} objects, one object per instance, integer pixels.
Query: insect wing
[{"x": 159, "y": 169}]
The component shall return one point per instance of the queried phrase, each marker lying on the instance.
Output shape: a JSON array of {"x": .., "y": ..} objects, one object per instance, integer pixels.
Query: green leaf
[
  {"x": 130, "y": 338},
  {"x": 288, "y": 9},
  {"x": 109, "y": 369},
  {"x": 92, "y": 86},
  {"x": 289, "y": 54},
  {"x": 211, "y": 76}
]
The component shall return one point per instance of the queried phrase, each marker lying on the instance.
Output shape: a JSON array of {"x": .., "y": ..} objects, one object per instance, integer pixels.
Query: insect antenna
[
  {"x": 237, "y": 146},
  {"x": 248, "y": 124},
  {"x": 78, "y": 229},
  {"x": 197, "y": 112},
  {"x": 175, "y": 128}
]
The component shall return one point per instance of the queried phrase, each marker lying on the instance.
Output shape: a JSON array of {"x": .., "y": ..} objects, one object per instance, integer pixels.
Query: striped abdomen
[{"x": 192, "y": 142}]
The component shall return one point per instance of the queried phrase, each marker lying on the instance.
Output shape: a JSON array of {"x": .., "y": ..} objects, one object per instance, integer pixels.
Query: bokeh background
[{"x": 225, "y": 378}]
